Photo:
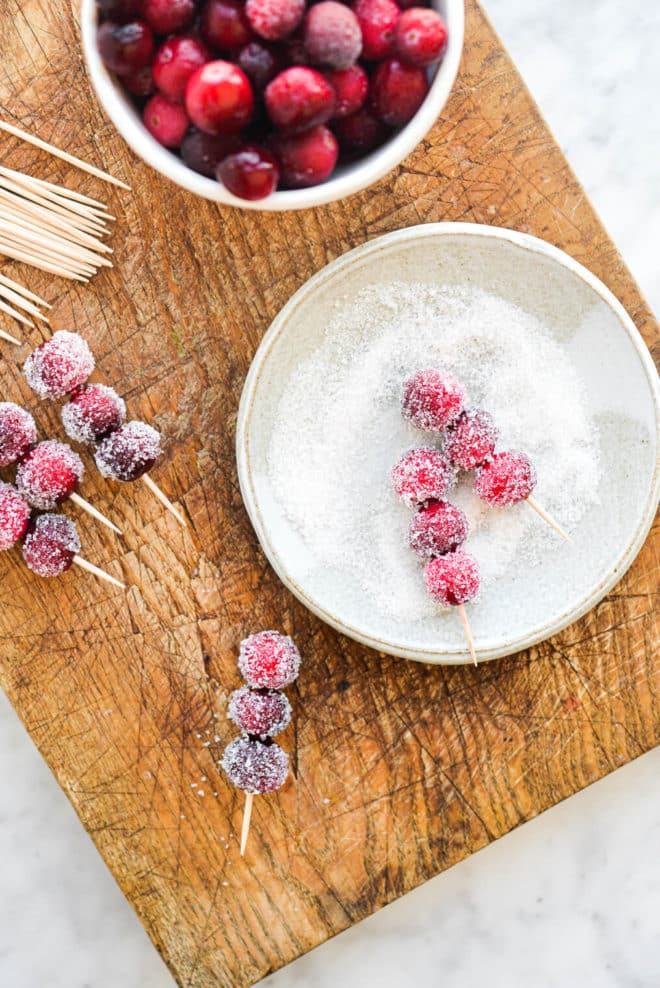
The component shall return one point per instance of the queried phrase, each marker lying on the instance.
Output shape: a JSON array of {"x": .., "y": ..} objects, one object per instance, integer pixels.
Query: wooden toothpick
[
  {"x": 533, "y": 503},
  {"x": 247, "y": 816},
  {"x": 94, "y": 512},
  {"x": 8, "y": 338},
  {"x": 468, "y": 632},
  {"x": 9, "y": 283},
  {"x": 164, "y": 500},
  {"x": 100, "y": 573}
]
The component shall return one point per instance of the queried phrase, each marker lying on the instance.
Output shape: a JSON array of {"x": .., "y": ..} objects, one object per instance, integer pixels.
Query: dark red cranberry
[
  {"x": 119, "y": 10},
  {"x": 397, "y": 91},
  {"x": 140, "y": 83},
  {"x": 295, "y": 52},
  {"x": 165, "y": 120},
  {"x": 125, "y": 48},
  {"x": 360, "y": 132},
  {"x": 225, "y": 25},
  {"x": 219, "y": 98},
  {"x": 420, "y": 36},
  {"x": 274, "y": 19},
  {"x": 51, "y": 545},
  {"x": 166, "y": 16},
  {"x": 351, "y": 86},
  {"x": 299, "y": 98},
  {"x": 92, "y": 413},
  {"x": 128, "y": 452},
  {"x": 260, "y": 62},
  {"x": 332, "y": 35},
  {"x": 251, "y": 173},
  {"x": 176, "y": 61},
  {"x": 204, "y": 152},
  {"x": 306, "y": 159},
  {"x": 377, "y": 19}
]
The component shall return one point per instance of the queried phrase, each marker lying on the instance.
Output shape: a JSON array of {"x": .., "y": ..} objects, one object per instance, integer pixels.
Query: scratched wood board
[{"x": 400, "y": 770}]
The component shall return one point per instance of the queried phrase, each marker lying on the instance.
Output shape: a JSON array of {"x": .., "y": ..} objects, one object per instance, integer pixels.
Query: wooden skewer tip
[
  {"x": 94, "y": 512},
  {"x": 468, "y": 632},
  {"x": 164, "y": 500},
  {"x": 533, "y": 503},
  {"x": 247, "y": 816},
  {"x": 8, "y": 338},
  {"x": 100, "y": 573}
]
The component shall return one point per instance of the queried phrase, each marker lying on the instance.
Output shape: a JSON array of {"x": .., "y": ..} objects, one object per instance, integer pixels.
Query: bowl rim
[
  {"x": 353, "y": 179},
  {"x": 457, "y": 655}
]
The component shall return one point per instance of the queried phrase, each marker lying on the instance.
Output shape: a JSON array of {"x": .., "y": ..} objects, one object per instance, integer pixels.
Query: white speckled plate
[{"x": 622, "y": 393}]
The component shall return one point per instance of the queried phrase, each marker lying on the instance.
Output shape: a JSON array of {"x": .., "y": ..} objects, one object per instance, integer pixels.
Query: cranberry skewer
[{"x": 52, "y": 546}]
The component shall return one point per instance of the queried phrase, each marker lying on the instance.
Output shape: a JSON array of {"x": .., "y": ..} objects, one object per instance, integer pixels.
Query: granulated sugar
[{"x": 338, "y": 432}]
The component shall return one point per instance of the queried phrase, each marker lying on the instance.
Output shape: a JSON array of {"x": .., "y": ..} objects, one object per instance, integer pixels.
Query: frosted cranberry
[
  {"x": 471, "y": 439},
  {"x": 129, "y": 452},
  {"x": 59, "y": 365},
  {"x": 119, "y": 10},
  {"x": 49, "y": 474},
  {"x": 362, "y": 131},
  {"x": 332, "y": 35},
  {"x": 204, "y": 152},
  {"x": 250, "y": 173},
  {"x": 452, "y": 579},
  {"x": 92, "y": 413},
  {"x": 17, "y": 433},
  {"x": 224, "y": 24},
  {"x": 176, "y": 61},
  {"x": 274, "y": 19},
  {"x": 506, "y": 479},
  {"x": 298, "y": 99},
  {"x": 263, "y": 713},
  {"x": 14, "y": 516},
  {"x": 219, "y": 98},
  {"x": 397, "y": 91},
  {"x": 255, "y": 766},
  {"x": 420, "y": 36},
  {"x": 140, "y": 83},
  {"x": 260, "y": 62},
  {"x": 437, "y": 528},
  {"x": 269, "y": 659},
  {"x": 377, "y": 19},
  {"x": 166, "y": 16},
  {"x": 351, "y": 86},
  {"x": 165, "y": 120},
  {"x": 432, "y": 400},
  {"x": 421, "y": 475},
  {"x": 306, "y": 159},
  {"x": 51, "y": 544},
  {"x": 125, "y": 48}
]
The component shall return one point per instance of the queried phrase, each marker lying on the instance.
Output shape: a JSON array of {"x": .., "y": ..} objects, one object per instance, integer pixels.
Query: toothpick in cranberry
[
  {"x": 453, "y": 580},
  {"x": 52, "y": 546},
  {"x": 256, "y": 767},
  {"x": 508, "y": 478}
]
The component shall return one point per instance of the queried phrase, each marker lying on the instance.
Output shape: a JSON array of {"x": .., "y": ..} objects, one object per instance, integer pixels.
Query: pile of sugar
[{"x": 338, "y": 431}]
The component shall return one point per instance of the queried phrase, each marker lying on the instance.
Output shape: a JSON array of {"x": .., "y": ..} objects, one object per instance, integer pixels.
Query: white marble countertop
[{"x": 572, "y": 898}]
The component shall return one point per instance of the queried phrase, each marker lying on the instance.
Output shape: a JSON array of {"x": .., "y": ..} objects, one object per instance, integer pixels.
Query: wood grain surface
[{"x": 400, "y": 770}]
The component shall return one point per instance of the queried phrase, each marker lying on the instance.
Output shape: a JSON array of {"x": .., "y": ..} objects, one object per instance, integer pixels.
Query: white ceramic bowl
[
  {"x": 343, "y": 182},
  {"x": 621, "y": 393}
]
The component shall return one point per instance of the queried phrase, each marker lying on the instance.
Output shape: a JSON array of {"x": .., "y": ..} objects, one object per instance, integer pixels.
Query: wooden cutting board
[{"x": 400, "y": 770}]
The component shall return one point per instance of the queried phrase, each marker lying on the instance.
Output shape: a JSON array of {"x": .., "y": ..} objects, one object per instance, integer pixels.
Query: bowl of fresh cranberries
[{"x": 273, "y": 104}]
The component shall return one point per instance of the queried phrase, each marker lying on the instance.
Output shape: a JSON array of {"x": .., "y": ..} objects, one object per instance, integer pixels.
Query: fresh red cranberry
[
  {"x": 274, "y": 19},
  {"x": 59, "y": 366},
  {"x": 397, "y": 91},
  {"x": 225, "y": 25},
  {"x": 140, "y": 83},
  {"x": 471, "y": 439},
  {"x": 260, "y": 62},
  {"x": 93, "y": 412},
  {"x": 251, "y": 173},
  {"x": 125, "y": 48},
  {"x": 165, "y": 120},
  {"x": 261, "y": 713},
  {"x": 432, "y": 400},
  {"x": 166, "y": 16},
  {"x": 437, "y": 528},
  {"x": 332, "y": 35},
  {"x": 204, "y": 152},
  {"x": 420, "y": 36},
  {"x": 128, "y": 452},
  {"x": 17, "y": 433},
  {"x": 453, "y": 579},
  {"x": 254, "y": 766},
  {"x": 361, "y": 132},
  {"x": 49, "y": 474},
  {"x": 306, "y": 159},
  {"x": 219, "y": 98},
  {"x": 119, "y": 10},
  {"x": 377, "y": 19},
  {"x": 299, "y": 98},
  {"x": 506, "y": 479},
  {"x": 351, "y": 86},
  {"x": 269, "y": 660},
  {"x": 421, "y": 475},
  {"x": 175, "y": 62},
  {"x": 14, "y": 516}
]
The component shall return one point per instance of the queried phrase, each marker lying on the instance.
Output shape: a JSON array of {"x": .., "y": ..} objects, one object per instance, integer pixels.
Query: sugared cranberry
[
  {"x": 351, "y": 86},
  {"x": 360, "y": 132},
  {"x": 255, "y": 767},
  {"x": 397, "y": 91},
  {"x": 14, "y": 516},
  {"x": 471, "y": 439},
  {"x": 251, "y": 173},
  {"x": 437, "y": 528},
  {"x": 166, "y": 16},
  {"x": 452, "y": 579},
  {"x": 129, "y": 452},
  {"x": 432, "y": 400},
  {"x": 421, "y": 475},
  {"x": 176, "y": 61},
  {"x": 333, "y": 37},
  {"x": 377, "y": 19},
  {"x": 140, "y": 83},
  {"x": 269, "y": 660},
  {"x": 92, "y": 413},
  {"x": 219, "y": 98},
  {"x": 260, "y": 62},
  {"x": 225, "y": 25},
  {"x": 506, "y": 479},
  {"x": 125, "y": 48},
  {"x": 17, "y": 432},
  {"x": 263, "y": 713},
  {"x": 49, "y": 474},
  {"x": 420, "y": 36},
  {"x": 59, "y": 365},
  {"x": 51, "y": 544},
  {"x": 204, "y": 152},
  {"x": 298, "y": 99},
  {"x": 274, "y": 19},
  {"x": 165, "y": 120},
  {"x": 119, "y": 10},
  {"x": 306, "y": 159}
]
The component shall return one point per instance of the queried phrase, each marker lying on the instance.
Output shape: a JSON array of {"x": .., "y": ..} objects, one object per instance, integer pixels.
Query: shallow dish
[
  {"x": 343, "y": 182},
  {"x": 620, "y": 389}
]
